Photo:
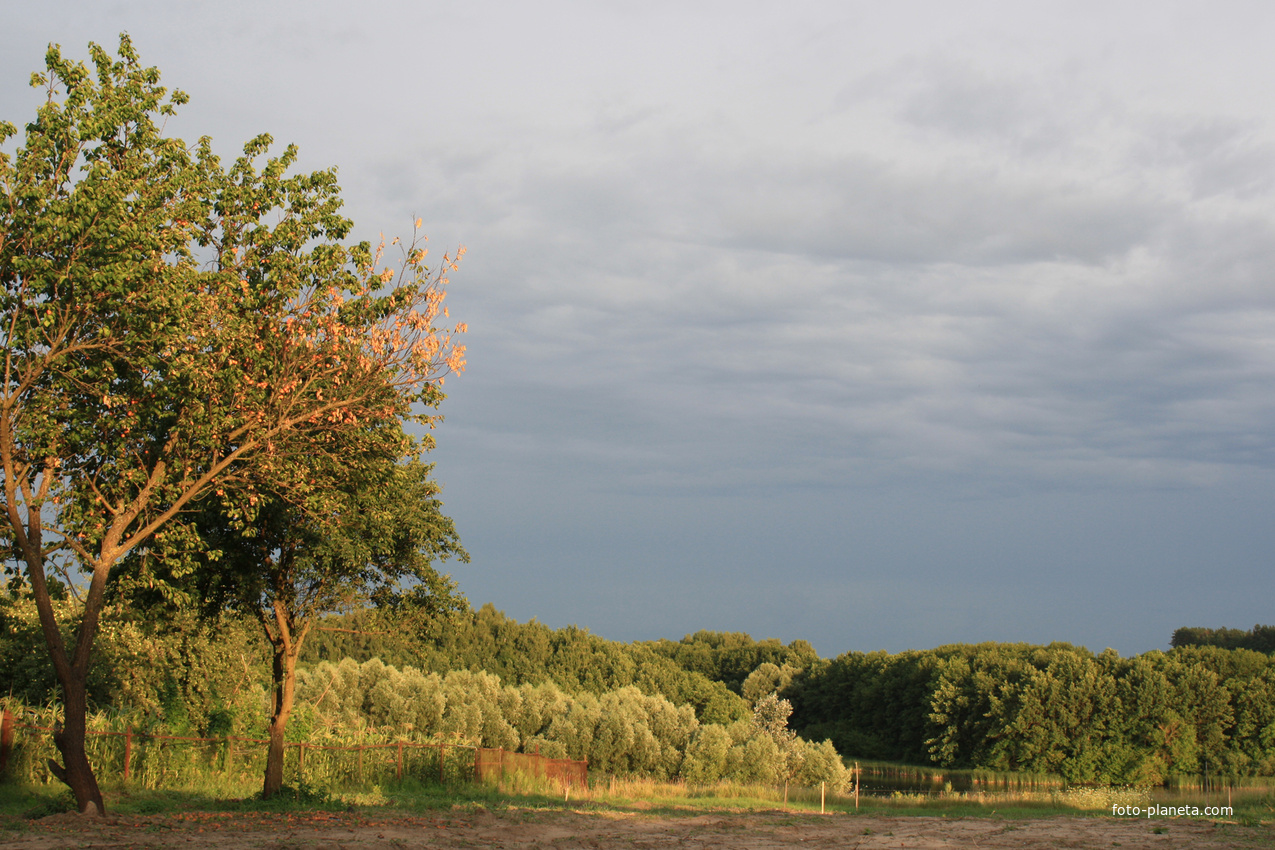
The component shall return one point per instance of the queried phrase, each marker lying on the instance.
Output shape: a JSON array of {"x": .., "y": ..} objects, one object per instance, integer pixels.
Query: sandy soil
[{"x": 611, "y": 831}]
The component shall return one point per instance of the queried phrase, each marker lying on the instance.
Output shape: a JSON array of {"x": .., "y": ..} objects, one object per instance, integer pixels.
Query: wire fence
[{"x": 153, "y": 760}]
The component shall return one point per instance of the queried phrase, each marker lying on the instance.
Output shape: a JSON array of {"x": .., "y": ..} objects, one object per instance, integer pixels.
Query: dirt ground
[{"x": 612, "y": 831}]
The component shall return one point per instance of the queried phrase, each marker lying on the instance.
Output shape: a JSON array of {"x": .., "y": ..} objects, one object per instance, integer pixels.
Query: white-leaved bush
[{"x": 624, "y": 732}]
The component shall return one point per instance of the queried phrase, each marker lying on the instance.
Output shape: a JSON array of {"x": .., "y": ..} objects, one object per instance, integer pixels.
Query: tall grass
[
  {"x": 227, "y": 766},
  {"x": 217, "y": 767},
  {"x": 622, "y": 791}
]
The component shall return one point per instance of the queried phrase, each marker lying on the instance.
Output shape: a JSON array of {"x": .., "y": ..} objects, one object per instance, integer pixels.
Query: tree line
[
  {"x": 1259, "y": 638},
  {"x": 1058, "y": 709},
  {"x": 1049, "y": 709},
  {"x": 706, "y": 670},
  {"x": 479, "y": 674}
]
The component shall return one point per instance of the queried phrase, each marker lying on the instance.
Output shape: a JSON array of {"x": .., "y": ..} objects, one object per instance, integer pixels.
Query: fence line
[{"x": 485, "y": 766}]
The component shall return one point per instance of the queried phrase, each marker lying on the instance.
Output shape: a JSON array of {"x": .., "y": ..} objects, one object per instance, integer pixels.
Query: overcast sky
[{"x": 881, "y": 325}]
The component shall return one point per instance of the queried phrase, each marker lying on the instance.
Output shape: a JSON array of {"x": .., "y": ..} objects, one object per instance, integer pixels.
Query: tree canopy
[
  {"x": 1259, "y": 638},
  {"x": 1055, "y": 709}
]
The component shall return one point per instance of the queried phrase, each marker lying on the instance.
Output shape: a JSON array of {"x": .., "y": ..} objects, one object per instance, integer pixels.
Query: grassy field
[
  {"x": 18, "y": 801},
  {"x": 613, "y": 815}
]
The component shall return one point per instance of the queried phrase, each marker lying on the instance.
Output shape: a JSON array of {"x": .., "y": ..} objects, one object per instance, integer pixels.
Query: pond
[{"x": 883, "y": 780}]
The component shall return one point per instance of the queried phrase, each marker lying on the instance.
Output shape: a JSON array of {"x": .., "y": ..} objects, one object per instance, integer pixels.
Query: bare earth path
[{"x": 619, "y": 831}]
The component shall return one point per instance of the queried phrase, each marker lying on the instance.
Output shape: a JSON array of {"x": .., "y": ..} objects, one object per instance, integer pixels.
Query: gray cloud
[{"x": 884, "y": 326}]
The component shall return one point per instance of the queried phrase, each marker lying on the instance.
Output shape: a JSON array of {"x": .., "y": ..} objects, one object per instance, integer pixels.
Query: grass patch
[
  {"x": 528, "y": 796},
  {"x": 35, "y": 803}
]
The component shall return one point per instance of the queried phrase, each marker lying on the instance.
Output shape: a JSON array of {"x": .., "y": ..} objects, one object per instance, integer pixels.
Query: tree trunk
[
  {"x": 72, "y": 670},
  {"x": 285, "y": 679},
  {"x": 75, "y": 770}
]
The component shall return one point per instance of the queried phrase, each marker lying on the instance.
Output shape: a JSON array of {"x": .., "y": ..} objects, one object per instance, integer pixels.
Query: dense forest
[
  {"x": 1049, "y": 709},
  {"x": 1206, "y": 706},
  {"x": 1259, "y": 638},
  {"x": 712, "y": 705},
  {"x": 706, "y": 670}
]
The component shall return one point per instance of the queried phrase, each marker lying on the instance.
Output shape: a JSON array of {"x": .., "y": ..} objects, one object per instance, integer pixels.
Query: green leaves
[
  {"x": 285, "y": 341},
  {"x": 139, "y": 374},
  {"x": 1054, "y": 709}
]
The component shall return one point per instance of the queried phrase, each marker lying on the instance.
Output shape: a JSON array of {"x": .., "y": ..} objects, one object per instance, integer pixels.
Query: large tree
[
  {"x": 363, "y": 527},
  {"x": 173, "y": 328}
]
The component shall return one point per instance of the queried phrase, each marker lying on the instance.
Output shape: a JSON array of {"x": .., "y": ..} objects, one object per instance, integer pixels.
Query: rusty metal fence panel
[{"x": 495, "y": 764}]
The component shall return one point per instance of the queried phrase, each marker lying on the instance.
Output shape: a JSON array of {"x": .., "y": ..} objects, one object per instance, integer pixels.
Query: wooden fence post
[
  {"x": 6, "y": 738},
  {"x": 442, "y": 758},
  {"x": 400, "y": 761},
  {"x": 128, "y": 750}
]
